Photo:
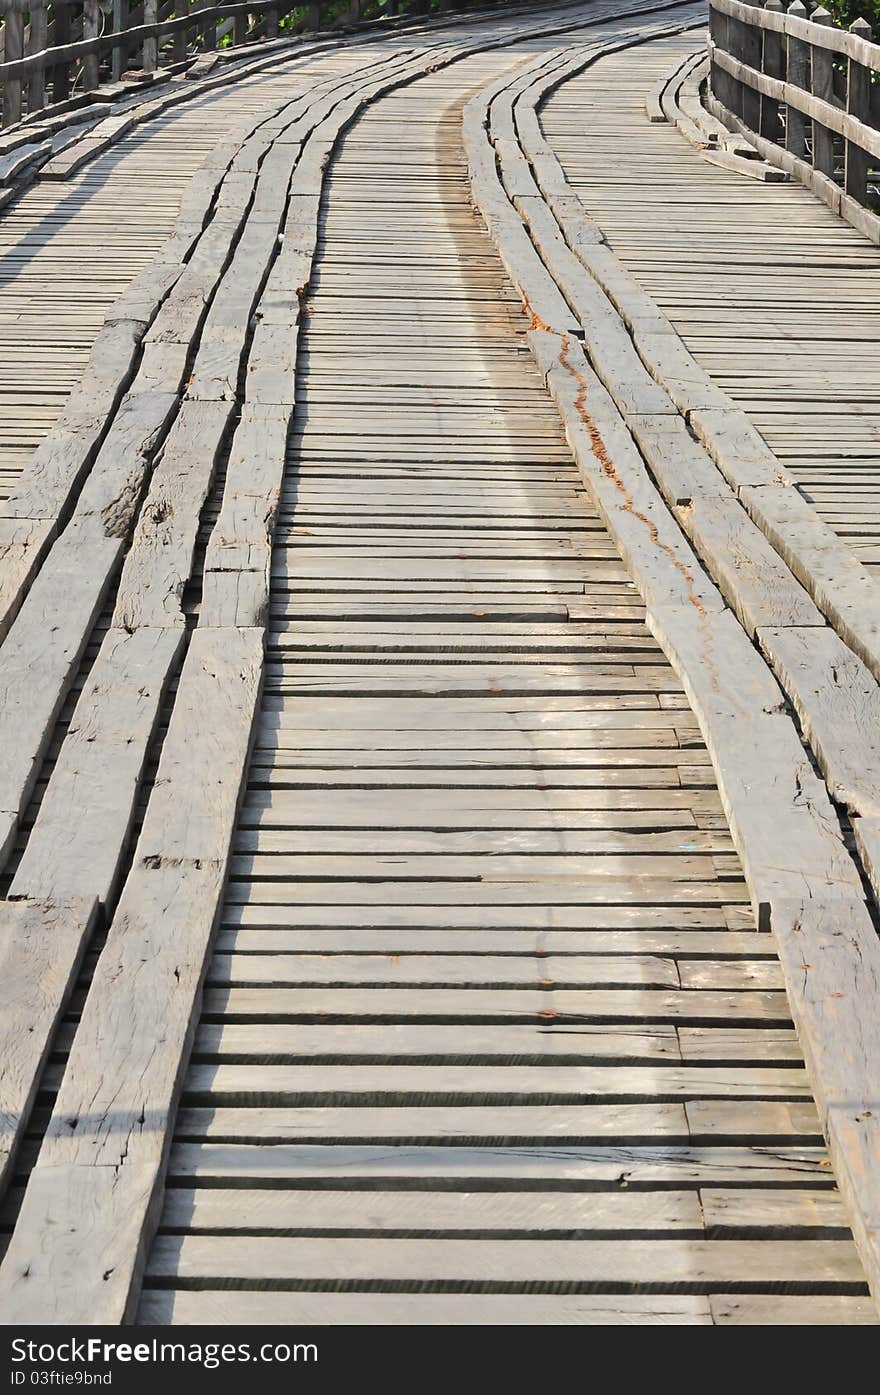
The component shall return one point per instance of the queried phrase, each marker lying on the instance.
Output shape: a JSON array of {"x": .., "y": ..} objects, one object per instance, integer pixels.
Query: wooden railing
[
  {"x": 806, "y": 91},
  {"x": 51, "y": 51}
]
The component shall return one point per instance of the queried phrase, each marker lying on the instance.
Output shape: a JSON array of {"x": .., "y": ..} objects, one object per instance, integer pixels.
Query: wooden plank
[
  {"x": 41, "y": 652},
  {"x": 497, "y": 1004},
  {"x": 250, "y": 1078},
  {"x": 759, "y": 1210},
  {"x": 104, "y": 1178},
  {"x": 234, "y": 1165},
  {"x": 838, "y": 705},
  {"x": 842, "y": 588},
  {"x": 695, "y": 1265},
  {"x": 269, "y": 1212},
  {"x": 273, "y": 970},
  {"x": 41, "y": 948},
  {"x": 425, "y": 1309},
  {"x": 160, "y": 559},
  {"x": 389, "y": 1042},
  {"x": 99, "y": 771}
]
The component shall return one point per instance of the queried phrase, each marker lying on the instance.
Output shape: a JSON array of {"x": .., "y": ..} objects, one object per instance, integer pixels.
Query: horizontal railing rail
[
  {"x": 51, "y": 50},
  {"x": 807, "y": 91}
]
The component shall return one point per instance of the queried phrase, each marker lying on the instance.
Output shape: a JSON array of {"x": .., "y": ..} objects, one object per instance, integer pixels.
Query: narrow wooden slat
[
  {"x": 692, "y": 1265},
  {"x": 41, "y": 947}
]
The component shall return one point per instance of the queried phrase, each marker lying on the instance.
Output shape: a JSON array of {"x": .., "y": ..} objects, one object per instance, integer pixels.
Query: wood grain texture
[
  {"x": 481, "y": 932},
  {"x": 41, "y": 946},
  {"x": 790, "y": 889},
  {"x": 106, "y": 1171}
]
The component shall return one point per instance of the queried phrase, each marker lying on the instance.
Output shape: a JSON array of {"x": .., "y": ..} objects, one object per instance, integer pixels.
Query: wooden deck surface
[
  {"x": 482, "y": 882},
  {"x": 772, "y": 293},
  {"x": 69, "y": 249},
  {"x": 489, "y": 1032}
]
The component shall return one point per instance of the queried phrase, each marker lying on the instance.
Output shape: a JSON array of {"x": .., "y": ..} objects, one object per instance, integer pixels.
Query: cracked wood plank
[
  {"x": 41, "y": 947},
  {"x": 101, "y": 1164}
]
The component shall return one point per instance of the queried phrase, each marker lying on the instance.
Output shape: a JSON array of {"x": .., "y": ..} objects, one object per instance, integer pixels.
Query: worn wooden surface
[
  {"x": 488, "y": 1008},
  {"x": 433, "y": 545},
  {"x": 774, "y": 297},
  {"x": 119, "y": 208},
  {"x": 796, "y": 891}
]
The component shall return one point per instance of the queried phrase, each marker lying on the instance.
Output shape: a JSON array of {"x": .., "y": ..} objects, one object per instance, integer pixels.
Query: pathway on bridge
[
  {"x": 772, "y": 293},
  {"x": 486, "y": 952},
  {"x": 68, "y": 249},
  {"x": 489, "y": 1032}
]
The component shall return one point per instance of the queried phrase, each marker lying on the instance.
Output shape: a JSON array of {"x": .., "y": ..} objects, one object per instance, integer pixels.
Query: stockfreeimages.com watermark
[{"x": 31, "y": 1360}]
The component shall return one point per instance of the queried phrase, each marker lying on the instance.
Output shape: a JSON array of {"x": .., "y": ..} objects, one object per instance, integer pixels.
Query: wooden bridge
[{"x": 440, "y": 727}]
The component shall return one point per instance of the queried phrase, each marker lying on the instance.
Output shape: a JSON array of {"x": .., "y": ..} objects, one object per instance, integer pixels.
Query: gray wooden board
[
  {"x": 698, "y": 1265},
  {"x": 82, "y": 829},
  {"x": 160, "y": 559},
  {"x": 39, "y": 657},
  {"x": 838, "y": 704},
  {"x": 217, "y": 1306},
  {"x": 285, "y": 1086},
  {"x": 157, "y": 946},
  {"x": 41, "y": 947}
]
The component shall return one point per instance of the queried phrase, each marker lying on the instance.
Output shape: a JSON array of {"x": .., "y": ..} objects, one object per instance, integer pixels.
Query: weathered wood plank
[
  {"x": 104, "y": 1177},
  {"x": 442, "y": 1309},
  {"x": 695, "y": 1265},
  {"x": 85, "y": 819},
  {"x": 41, "y": 947}
]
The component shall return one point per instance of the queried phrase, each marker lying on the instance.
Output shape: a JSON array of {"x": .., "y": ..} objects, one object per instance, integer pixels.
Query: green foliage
[{"x": 843, "y": 12}]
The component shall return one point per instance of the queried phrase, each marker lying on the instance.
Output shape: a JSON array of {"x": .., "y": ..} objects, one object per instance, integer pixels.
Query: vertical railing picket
[
  {"x": 750, "y": 52},
  {"x": 91, "y": 29},
  {"x": 773, "y": 64},
  {"x": 13, "y": 12},
  {"x": 178, "y": 42},
  {"x": 822, "y": 86},
  {"x": 858, "y": 104},
  {"x": 798, "y": 54},
  {"x": 61, "y": 71},
  {"x": 119, "y": 61},
  {"x": 39, "y": 29},
  {"x": 150, "y": 55}
]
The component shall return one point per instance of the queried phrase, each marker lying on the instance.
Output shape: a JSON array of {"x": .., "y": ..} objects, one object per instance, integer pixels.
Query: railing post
[
  {"x": 239, "y": 29},
  {"x": 14, "y": 41},
  {"x": 150, "y": 55},
  {"x": 272, "y": 22},
  {"x": 209, "y": 31},
  {"x": 91, "y": 30},
  {"x": 178, "y": 41},
  {"x": 858, "y": 104},
  {"x": 798, "y": 53},
  {"x": 773, "y": 65},
  {"x": 354, "y": 12},
  {"x": 313, "y": 15},
  {"x": 61, "y": 71},
  {"x": 720, "y": 82},
  {"x": 750, "y": 52},
  {"x": 119, "y": 61},
  {"x": 822, "y": 83},
  {"x": 36, "y": 43}
]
